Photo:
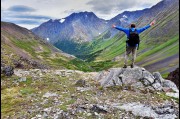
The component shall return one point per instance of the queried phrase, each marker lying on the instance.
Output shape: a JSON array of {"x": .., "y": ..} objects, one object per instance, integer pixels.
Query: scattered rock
[
  {"x": 81, "y": 83},
  {"x": 62, "y": 115},
  {"x": 7, "y": 70},
  {"x": 22, "y": 79},
  {"x": 138, "y": 109},
  {"x": 99, "y": 109},
  {"x": 48, "y": 94},
  {"x": 82, "y": 89}
]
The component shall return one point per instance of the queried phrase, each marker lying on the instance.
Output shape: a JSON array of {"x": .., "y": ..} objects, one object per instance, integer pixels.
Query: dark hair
[{"x": 133, "y": 25}]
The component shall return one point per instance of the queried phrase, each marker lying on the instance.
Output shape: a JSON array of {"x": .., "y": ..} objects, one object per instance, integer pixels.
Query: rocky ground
[{"x": 71, "y": 94}]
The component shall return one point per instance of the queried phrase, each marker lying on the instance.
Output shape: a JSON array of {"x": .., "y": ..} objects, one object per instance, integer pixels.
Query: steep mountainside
[
  {"x": 67, "y": 33},
  {"x": 20, "y": 48},
  {"x": 80, "y": 27}
]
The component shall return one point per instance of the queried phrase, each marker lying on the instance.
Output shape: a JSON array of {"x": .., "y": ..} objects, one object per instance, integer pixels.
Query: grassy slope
[{"x": 16, "y": 44}]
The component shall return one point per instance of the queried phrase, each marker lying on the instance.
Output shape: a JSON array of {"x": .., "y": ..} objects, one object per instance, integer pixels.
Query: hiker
[{"x": 132, "y": 42}]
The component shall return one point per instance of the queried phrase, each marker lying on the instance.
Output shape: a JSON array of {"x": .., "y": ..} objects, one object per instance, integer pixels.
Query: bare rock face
[
  {"x": 166, "y": 111},
  {"x": 137, "y": 77}
]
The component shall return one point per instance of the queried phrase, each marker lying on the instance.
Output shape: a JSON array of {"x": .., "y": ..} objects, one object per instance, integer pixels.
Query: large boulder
[{"x": 137, "y": 77}]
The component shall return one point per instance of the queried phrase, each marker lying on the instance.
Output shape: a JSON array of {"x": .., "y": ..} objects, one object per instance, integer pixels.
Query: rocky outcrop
[
  {"x": 137, "y": 77},
  {"x": 7, "y": 70},
  {"x": 166, "y": 111}
]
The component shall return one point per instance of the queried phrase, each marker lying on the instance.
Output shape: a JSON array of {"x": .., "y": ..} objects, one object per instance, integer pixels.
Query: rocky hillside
[
  {"x": 68, "y": 94},
  {"x": 20, "y": 48},
  {"x": 79, "y": 27}
]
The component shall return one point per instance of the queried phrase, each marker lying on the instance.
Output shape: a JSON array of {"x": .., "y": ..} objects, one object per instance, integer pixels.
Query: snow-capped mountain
[{"x": 83, "y": 26}]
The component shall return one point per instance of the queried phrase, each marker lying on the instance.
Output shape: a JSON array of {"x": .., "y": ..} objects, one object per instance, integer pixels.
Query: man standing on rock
[{"x": 132, "y": 43}]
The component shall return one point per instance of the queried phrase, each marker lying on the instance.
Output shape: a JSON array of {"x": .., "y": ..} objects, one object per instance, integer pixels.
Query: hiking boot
[
  {"x": 124, "y": 66},
  {"x": 132, "y": 66}
]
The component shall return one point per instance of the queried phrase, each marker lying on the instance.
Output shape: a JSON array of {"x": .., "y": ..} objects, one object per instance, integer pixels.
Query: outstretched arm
[
  {"x": 121, "y": 29},
  {"x": 146, "y": 27}
]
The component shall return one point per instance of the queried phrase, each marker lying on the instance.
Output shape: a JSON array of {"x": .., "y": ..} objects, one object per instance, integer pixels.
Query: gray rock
[
  {"x": 128, "y": 76},
  {"x": 138, "y": 109},
  {"x": 134, "y": 77},
  {"x": 62, "y": 115},
  {"x": 170, "y": 84},
  {"x": 165, "y": 109},
  {"x": 158, "y": 77},
  {"x": 147, "y": 75},
  {"x": 99, "y": 109},
  {"x": 137, "y": 85},
  {"x": 81, "y": 83},
  {"x": 145, "y": 81},
  {"x": 22, "y": 79},
  {"x": 157, "y": 86},
  {"x": 108, "y": 80},
  {"x": 171, "y": 94},
  {"x": 82, "y": 89},
  {"x": 7, "y": 70},
  {"x": 135, "y": 73},
  {"x": 48, "y": 94}
]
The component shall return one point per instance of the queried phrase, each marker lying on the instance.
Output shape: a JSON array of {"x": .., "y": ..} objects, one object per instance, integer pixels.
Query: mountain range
[
  {"x": 102, "y": 45},
  {"x": 83, "y": 26}
]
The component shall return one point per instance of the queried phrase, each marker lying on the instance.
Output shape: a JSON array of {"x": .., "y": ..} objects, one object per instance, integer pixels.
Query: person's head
[{"x": 133, "y": 25}]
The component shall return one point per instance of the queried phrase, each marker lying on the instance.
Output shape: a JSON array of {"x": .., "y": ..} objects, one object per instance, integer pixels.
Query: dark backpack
[{"x": 133, "y": 38}]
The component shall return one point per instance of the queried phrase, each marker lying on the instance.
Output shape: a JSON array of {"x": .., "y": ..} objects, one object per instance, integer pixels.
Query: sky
[{"x": 32, "y": 13}]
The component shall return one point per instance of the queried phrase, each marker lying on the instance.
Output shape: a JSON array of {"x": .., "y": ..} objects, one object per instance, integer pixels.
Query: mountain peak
[{"x": 82, "y": 14}]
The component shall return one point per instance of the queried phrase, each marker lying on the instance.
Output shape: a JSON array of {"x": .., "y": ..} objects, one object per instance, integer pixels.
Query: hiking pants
[{"x": 129, "y": 50}]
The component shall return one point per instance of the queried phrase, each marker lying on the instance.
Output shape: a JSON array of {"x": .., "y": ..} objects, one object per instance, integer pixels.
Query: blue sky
[{"x": 31, "y": 13}]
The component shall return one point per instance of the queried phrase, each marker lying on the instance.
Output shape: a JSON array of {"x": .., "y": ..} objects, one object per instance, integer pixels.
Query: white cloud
[{"x": 28, "y": 26}]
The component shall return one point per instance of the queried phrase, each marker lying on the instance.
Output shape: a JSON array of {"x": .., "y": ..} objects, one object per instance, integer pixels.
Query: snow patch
[
  {"x": 47, "y": 39},
  {"x": 122, "y": 20},
  {"x": 99, "y": 33},
  {"x": 62, "y": 20},
  {"x": 124, "y": 16}
]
